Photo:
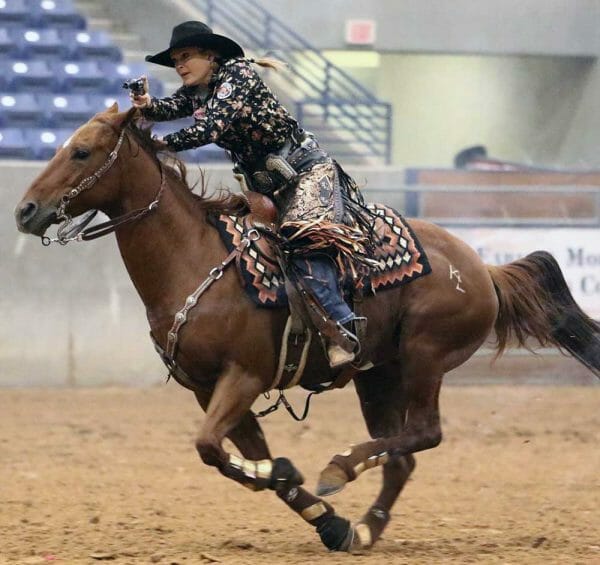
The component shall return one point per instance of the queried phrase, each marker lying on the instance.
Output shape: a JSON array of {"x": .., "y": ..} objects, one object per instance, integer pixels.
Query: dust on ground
[{"x": 111, "y": 475}]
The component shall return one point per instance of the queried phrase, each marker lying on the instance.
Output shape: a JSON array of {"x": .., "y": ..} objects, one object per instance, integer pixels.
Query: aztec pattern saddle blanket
[{"x": 400, "y": 256}]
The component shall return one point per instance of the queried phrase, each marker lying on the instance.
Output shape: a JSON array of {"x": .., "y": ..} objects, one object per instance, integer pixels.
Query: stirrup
[
  {"x": 349, "y": 336},
  {"x": 338, "y": 356}
]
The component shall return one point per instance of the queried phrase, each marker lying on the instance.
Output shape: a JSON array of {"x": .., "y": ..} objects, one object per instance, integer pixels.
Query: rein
[{"x": 68, "y": 230}]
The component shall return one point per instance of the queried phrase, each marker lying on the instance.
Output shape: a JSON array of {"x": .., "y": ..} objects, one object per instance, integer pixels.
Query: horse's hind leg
[
  {"x": 382, "y": 404},
  {"x": 421, "y": 380},
  {"x": 247, "y": 436}
]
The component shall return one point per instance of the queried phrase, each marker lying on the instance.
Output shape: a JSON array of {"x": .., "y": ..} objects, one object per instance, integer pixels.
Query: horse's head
[{"x": 82, "y": 162}]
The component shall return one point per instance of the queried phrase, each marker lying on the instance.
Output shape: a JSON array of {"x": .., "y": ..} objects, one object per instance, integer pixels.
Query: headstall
[{"x": 68, "y": 230}]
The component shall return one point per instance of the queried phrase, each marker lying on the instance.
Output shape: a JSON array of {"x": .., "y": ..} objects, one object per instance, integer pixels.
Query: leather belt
[{"x": 277, "y": 170}]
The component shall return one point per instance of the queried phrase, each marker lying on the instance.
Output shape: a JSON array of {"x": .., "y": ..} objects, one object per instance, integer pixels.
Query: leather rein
[{"x": 71, "y": 230}]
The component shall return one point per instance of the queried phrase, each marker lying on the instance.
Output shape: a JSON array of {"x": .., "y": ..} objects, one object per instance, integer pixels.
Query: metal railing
[{"x": 328, "y": 100}]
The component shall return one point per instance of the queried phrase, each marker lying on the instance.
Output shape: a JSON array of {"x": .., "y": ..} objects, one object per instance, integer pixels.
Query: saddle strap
[
  {"x": 293, "y": 356},
  {"x": 214, "y": 275},
  {"x": 175, "y": 370}
]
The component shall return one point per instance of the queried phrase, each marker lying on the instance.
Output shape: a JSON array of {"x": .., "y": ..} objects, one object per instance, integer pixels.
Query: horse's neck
[{"x": 171, "y": 248}]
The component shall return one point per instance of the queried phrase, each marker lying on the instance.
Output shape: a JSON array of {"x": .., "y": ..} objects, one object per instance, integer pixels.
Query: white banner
[{"x": 576, "y": 250}]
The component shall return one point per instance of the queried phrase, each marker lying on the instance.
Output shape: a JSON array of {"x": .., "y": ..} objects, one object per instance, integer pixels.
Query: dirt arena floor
[{"x": 111, "y": 475}]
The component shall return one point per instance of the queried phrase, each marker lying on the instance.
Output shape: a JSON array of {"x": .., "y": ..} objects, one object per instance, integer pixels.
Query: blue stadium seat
[
  {"x": 88, "y": 44},
  {"x": 26, "y": 76},
  {"x": 39, "y": 44},
  {"x": 19, "y": 110},
  {"x": 79, "y": 76},
  {"x": 13, "y": 144},
  {"x": 100, "y": 102},
  {"x": 55, "y": 13},
  {"x": 43, "y": 142},
  {"x": 65, "y": 110},
  {"x": 118, "y": 73},
  {"x": 8, "y": 46},
  {"x": 13, "y": 12},
  {"x": 205, "y": 154}
]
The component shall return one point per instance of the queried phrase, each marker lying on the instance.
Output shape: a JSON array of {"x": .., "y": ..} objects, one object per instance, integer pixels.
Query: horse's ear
[
  {"x": 113, "y": 109},
  {"x": 121, "y": 119}
]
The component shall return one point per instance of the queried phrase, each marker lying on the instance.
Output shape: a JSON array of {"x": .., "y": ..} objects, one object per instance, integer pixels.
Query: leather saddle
[{"x": 399, "y": 254}]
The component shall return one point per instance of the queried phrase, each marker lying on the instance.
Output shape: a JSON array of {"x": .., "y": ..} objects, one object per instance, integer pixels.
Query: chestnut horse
[{"x": 230, "y": 348}]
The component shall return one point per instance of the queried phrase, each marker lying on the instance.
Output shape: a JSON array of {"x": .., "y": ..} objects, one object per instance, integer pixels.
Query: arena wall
[
  {"x": 70, "y": 316},
  {"x": 510, "y": 27}
]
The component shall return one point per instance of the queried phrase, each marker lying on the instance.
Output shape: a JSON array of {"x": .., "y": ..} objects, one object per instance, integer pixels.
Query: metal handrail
[{"x": 317, "y": 82}]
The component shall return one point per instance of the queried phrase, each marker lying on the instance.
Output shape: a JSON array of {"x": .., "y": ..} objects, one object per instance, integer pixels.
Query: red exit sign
[{"x": 360, "y": 32}]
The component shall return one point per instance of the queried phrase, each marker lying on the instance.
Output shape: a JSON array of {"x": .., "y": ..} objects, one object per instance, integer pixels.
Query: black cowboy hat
[{"x": 196, "y": 34}]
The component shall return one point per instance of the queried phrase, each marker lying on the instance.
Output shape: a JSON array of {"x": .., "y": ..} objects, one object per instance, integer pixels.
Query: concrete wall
[
  {"x": 522, "y": 109},
  {"x": 542, "y": 27},
  {"x": 69, "y": 315}
]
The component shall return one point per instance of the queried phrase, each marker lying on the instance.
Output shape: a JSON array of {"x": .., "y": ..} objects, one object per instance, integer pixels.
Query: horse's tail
[{"x": 535, "y": 302}]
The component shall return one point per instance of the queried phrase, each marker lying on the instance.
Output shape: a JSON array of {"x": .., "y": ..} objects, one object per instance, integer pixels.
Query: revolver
[{"x": 137, "y": 86}]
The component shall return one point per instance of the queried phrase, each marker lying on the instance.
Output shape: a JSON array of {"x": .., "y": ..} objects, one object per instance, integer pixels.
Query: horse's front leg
[
  {"x": 230, "y": 403},
  {"x": 335, "y": 532}
]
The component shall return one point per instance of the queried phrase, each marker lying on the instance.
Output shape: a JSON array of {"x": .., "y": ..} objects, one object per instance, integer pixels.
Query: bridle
[{"x": 69, "y": 230}]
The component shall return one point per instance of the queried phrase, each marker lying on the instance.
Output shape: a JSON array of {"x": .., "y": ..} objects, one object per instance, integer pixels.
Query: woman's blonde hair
[
  {"x": 267, "y": 62},
  {"x": 270, "y": 63}
]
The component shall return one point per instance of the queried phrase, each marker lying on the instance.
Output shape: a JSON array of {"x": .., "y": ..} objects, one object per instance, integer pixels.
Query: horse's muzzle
[{"x": 33, "y": 218}]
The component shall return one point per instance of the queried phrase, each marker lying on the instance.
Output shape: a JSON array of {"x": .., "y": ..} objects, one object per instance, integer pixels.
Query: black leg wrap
[
  {"x": 284, "y": 474},
  {"x": 336, "y": 533}
]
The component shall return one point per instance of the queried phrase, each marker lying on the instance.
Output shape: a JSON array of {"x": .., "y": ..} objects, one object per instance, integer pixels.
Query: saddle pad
[
  {"x": 400, "y": 254},
  {"x": 258, "y": 266}
]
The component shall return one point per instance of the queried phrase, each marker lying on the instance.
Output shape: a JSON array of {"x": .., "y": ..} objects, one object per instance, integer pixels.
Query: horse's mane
[{"x": 222, "y": 201}]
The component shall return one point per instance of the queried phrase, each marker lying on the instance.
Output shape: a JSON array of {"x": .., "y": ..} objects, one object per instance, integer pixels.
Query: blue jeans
[{"x": 319, "y": 272}]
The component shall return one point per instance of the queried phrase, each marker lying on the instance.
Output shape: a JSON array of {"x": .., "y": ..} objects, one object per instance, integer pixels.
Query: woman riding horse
[
  {"x": 236, "y": 110},
  {"x": 230, "y": 349}
]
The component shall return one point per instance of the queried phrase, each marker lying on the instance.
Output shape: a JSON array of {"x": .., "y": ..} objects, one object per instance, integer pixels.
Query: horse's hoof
[
  {"x": 332, "y": 480},
  {"x": 336, "y": 533}
]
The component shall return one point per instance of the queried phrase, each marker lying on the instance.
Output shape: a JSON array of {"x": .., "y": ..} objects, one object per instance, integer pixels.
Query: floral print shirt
[{"x": 239, "y": 112}]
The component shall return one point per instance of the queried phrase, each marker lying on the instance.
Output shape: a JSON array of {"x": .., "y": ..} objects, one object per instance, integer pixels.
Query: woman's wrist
[{"x": 143, "y": 101}]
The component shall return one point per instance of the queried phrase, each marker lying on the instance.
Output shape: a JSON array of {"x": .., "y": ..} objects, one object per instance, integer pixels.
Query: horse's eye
[{"x": 81, "y": 154}]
